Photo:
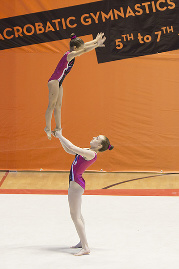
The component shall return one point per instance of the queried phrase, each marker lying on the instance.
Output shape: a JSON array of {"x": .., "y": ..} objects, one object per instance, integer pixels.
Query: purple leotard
[
  {"x": 78, "y": 167},
  {"x": 62, "y": 69}
]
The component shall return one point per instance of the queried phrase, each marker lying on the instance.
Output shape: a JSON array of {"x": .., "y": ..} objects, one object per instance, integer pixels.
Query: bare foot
[
  {"x": 83, "y": 252},
  {"x": 48, "y": 132},
  {"x": 79, "y": 245}
]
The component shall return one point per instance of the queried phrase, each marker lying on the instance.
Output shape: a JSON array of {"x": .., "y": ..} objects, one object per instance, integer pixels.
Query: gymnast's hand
[
  {"x": 100, "y": 38},
  {"x": 57, "y": 133}
]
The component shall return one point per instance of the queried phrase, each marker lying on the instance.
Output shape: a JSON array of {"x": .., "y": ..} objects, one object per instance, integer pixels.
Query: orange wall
[{"x": 134, "y": 102}]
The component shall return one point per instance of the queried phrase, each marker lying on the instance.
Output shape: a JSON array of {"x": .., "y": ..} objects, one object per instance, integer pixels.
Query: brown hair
[
  {"x": 75, "y": 41},
  {"x": 105, "y": 145}
]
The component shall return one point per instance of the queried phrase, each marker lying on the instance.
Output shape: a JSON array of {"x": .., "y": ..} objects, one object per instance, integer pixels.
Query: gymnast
[
  {"x": 77, "y": 48},
  {"x": 84, "y": 157}
]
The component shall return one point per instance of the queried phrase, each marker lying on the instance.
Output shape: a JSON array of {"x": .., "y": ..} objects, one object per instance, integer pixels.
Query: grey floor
[{"x": 36, "y": 232}]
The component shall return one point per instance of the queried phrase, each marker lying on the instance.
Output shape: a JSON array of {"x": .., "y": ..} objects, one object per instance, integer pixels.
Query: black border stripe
[{"x": 126, "y": 181}]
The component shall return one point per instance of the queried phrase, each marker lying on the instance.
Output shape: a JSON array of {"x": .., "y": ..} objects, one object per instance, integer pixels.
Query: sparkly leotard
[
  {"x": 78, "y": 167},
  {"x": 62, "y": 69}
]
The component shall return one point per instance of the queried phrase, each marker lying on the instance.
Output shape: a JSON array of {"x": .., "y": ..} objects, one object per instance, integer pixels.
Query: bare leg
[
  {"x": 79, "y": 245},
  {"x": 57, "y": 109},
  {"x": 53, "y": 96},
  {"x": 75, "y": 192}
]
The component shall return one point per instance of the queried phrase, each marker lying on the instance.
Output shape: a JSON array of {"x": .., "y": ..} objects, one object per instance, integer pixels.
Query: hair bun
[
  {"x": 111, "y": 147},
  {"x": 72, "y": 36}
]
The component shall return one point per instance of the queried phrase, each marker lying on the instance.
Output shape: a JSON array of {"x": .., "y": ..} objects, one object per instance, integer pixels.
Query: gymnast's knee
[
  {"x": 74, "y": 216},
  {"x": 58, "y": 107},
  {"x": 51, "y": 105}
]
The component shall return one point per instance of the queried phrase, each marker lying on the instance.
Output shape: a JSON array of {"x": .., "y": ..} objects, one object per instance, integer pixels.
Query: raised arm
[
  {"x": 67, "y": 149},
  {"x": 72, "y": 149},
  {"x": 88, "y": 46},
  {"x": 96, "y": 40}
]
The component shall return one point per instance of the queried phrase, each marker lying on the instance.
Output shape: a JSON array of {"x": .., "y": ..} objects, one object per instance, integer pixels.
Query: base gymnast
[{"x": 84, "y": 157}]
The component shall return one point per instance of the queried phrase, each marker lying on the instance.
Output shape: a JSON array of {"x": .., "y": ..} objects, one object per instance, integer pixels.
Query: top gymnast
[{"x": 77, "y": 48}]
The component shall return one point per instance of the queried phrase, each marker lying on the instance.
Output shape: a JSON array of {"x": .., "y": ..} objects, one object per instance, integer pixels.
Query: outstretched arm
[
  {"x": 96, "y": 40},
  {"x": 88, "y": 46},
  {"x": 72, "y": 149},
  {"x": 67, "y": 149}
]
